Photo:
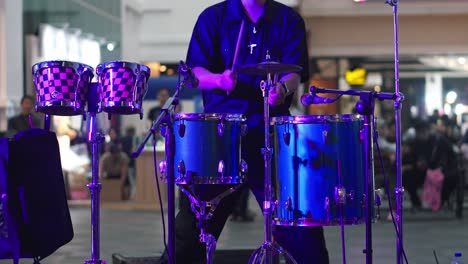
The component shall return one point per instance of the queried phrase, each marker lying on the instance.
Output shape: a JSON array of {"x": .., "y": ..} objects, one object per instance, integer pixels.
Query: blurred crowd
[{"x": 432, "y": 155}]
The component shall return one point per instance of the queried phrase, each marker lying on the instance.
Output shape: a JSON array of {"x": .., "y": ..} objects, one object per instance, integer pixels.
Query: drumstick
[{"x": 236, "y": 53}]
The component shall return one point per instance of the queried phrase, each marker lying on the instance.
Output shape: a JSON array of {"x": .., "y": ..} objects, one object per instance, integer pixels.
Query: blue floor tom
[{"x": 319, "y": 171}]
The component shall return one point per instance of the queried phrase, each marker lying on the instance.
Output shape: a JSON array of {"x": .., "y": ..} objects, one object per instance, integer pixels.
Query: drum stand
[
  {"x": 264, "y": 254},
  {"x": 94, "y": 138},
  {"x": 203, "y": 214}
]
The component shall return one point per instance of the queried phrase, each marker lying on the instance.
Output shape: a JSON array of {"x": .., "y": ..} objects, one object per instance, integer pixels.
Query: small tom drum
[
  {"x": 208, "y": 148},
  {"x": 123, "y": 87},
  {"x": 61, "y": 87},
  {"x": 319, "y": 170}
]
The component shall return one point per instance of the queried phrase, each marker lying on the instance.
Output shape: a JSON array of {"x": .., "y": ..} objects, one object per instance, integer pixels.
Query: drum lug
[
  {"x": 163, "y": 170},
  {"x": 220, "y": 128},
  {"x": 181, "y": 169},
  {"x": 288, "y": 205},
  {"x": 327, "y": 208},
  {"x": 162, "y": 130},
  {"x": 324, "y": 135},
  {"x": 221, "y": 168},
  {"x": 244, "y": 167},
  {"x": 287, "y": 138},
  {"x": 361, "y": 135},
  {"x": 244, "y": 130},
  {"x": 181, "y": 129},
  {"x": 340, "y": 195}
]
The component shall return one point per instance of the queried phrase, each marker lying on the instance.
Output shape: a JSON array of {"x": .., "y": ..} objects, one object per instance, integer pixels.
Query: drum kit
[
  {"x": 322, "y": 169},
  {"x": 65, "y": 88},
  {"x": 319, "y": 166}
]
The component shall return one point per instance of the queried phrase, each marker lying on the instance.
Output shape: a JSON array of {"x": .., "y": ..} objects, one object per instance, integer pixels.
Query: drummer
[{"x": 273, "y": 29}]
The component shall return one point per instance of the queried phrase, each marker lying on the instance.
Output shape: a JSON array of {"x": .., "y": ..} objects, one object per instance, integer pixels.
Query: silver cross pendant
[{"x": 252, "y": 46}]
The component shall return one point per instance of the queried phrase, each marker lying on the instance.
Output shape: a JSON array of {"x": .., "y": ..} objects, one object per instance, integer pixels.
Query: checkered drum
[
  {"x": 61, "y": 87},
  {"x": 123, "y": 87}
]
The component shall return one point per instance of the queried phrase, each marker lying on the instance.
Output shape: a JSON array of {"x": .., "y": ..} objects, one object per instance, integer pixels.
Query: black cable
[
  {"x": 155, "y": 165},
  {"x": 387, "y": 189}
]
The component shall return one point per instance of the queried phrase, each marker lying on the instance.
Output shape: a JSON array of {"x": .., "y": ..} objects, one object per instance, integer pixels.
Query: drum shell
[
  {"x": 315, "y": 157},
  {"x": 123, "y": 86},
  {"x": 205, "y": 155},
  {"x": 62, "y": 87}
]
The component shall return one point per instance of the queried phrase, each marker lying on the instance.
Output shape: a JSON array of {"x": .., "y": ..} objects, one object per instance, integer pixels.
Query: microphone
[
  {"x": 308, "y": 99},
  {"x": 188, "y": 74}
]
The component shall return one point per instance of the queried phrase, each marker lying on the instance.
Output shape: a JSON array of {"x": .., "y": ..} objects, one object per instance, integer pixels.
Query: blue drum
[
  {"x": 123, "y": 87},
  {"x": 207, "y": 148},
  {"x": 319, "y": 171}
]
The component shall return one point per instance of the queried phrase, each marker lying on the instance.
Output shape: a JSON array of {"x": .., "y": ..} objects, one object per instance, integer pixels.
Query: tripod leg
[{"x": 210, "y": 241}]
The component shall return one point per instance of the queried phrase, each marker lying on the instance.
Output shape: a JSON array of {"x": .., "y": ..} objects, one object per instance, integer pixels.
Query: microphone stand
[
  {"x": 399, "y": 190},
  {"x": 365, "y": 107},
  {"x": 166, "y": 115}
]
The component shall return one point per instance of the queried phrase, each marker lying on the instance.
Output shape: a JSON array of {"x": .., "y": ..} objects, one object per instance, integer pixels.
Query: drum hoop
[
  {"x": 307, "y": 119},
  {"x": 210, "y": 116},
  {"x": 63, "y": 64},
  {"x": 123, "y": 64},
  {"x": 210, "y": 180}
]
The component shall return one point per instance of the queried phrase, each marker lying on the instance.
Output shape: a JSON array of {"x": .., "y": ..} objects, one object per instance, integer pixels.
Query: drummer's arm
[
  {"x": 291, "y": 82},
  {"x": 209, "y": 80}
]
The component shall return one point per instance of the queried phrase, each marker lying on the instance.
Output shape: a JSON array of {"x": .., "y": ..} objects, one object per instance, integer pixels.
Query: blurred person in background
[
  {"x": 129, "y": 141},
  {"x": 24, "y": 120},
  {"x": 113, "y": 164}
]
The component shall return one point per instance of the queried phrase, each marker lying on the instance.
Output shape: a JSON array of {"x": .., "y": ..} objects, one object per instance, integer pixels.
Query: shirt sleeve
[
  {"x": 202, "y": 47},
  {"x": 295, "y": 48}
]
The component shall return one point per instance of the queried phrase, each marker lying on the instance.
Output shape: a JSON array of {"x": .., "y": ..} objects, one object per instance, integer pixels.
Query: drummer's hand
[
  {"x": 227, "y": 80},
  {"x": 277, "y": 95}
]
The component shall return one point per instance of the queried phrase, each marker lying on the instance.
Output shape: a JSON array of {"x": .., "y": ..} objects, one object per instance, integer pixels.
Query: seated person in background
[{"x": 114, "y": 165}]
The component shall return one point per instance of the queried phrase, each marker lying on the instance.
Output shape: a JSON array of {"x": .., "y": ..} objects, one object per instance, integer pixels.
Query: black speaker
[
  {"x": 35, "y": 191},
  {"x": 233, "y": 256}
]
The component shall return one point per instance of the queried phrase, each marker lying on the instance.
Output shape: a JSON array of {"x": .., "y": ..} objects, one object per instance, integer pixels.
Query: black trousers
[{"x": 305, "y": 244}]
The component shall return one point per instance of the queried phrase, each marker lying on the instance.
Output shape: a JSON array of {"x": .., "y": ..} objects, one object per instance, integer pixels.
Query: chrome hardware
[
  {"x": 221, "y": 168},
  {"x": 327, "y": 207},
  {"x": 324, "y": 135},
  {"x": 181, "y": 168},
  {"x": 287, "y": 137},
  {"x": 288, "y": 205},
  {"x": 220, "y": 128},
  {"x": 361, "y": 135},
  {"x": 163, "y": 169},
  {"x": 181, "y": 129},
  {"x": 244, "y": 130},
  {"x": 244, "y": 167}
]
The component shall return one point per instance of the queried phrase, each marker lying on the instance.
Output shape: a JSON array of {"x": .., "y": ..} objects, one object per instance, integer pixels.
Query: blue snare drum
[
  {"x": 207, "y": 148},
  {"x": 61, "y": 87},
  {"x": 123, "y": 87},
  {"x": 319, "y": 165}
]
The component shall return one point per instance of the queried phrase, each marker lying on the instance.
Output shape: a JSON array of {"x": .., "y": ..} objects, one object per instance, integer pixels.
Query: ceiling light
[
  {"x": 110, "y": 46},
  {"x": 461, "y": 60}
]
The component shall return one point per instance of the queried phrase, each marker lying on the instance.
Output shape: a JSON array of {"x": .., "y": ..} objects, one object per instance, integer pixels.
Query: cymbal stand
[
  {"x": 399, "y": 190},
  {"x": 95, "y": 138},
  {"x": 264, "y": 254}
]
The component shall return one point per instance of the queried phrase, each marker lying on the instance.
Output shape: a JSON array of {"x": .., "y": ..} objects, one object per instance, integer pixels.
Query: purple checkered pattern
[
  {"x": 56, "y": 84},
  {"x": 118, "y": 85}
]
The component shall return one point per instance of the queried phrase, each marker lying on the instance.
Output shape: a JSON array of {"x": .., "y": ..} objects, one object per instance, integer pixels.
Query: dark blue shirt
[{"x": 280, "y": 32}]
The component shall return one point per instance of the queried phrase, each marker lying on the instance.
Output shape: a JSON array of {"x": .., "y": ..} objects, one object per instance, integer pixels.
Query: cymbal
[{"x": 266, "y": 67}]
